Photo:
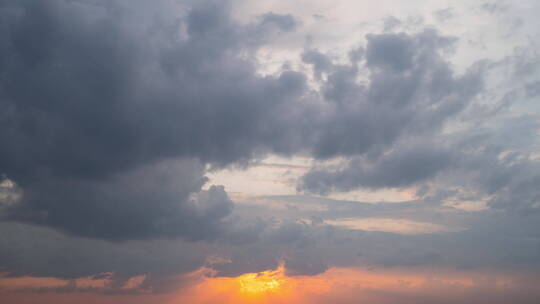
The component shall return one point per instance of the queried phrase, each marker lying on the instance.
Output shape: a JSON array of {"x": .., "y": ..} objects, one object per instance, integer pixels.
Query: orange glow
[
  {"x": 341, "y": 285},
  {"x": 263, "y": 282},
  {"x": 270, "y": 286},
  {"x": 336, "y": 285}
]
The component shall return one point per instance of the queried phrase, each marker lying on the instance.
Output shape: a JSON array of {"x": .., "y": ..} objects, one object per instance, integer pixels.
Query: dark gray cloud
[
  {"x": 91, "y": 93},
  {"x": 97, "y": 97},
  {"x": 399, "y": 168},
  {"x": 159, "y": 201},
  {"x": 393, "y": 51},
  {"x": 410, "y": 90},
  {"x": 55, "y": 254}
]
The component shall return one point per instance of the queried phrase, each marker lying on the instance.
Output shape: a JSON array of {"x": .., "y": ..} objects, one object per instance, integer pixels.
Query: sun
[
  {"x": 270, "y": 281},
  {"x": 266, "y": 287}
]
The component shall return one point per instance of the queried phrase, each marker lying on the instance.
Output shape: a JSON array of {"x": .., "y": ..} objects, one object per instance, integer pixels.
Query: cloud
[
  {"x": 98, "y": 106},
  {"x": 159, "y": 201},
  {"x": 401, "y": 167},
  {"x": 56, "y": 255},
  {"x": 404, "y": 88},
  {"x": 94, "y": 95}
]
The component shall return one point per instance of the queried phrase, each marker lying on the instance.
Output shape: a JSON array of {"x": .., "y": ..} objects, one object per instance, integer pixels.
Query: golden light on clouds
[
  {"x": 270, "y": 286},
  {"x": 263, "y": 282}
]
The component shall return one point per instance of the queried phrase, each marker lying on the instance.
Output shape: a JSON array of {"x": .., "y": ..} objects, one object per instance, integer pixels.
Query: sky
[{"x": 274, "y": 151}]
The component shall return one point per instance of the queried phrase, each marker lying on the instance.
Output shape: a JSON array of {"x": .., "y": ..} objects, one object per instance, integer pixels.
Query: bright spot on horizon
[{"x": 262, "y": 282}]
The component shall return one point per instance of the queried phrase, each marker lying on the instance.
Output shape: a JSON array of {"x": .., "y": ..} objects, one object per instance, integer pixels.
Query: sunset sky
[{"x": 272, "y": 151}]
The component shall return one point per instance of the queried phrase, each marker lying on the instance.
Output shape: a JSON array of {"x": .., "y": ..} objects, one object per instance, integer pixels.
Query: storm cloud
[
  {"x": 94, "y": 96},
  {"x": 87, "y": 100}
]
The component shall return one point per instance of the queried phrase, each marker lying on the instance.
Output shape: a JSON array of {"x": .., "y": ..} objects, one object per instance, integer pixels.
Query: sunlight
[
  {"x": 265, "y": 287},
  {"x": 262, "y": 282}
]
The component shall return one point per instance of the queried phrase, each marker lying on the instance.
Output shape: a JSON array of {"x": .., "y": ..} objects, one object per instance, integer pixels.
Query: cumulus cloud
[
  {"x": 92, "y": 98},
  {"x": 409, "y": 90}
]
